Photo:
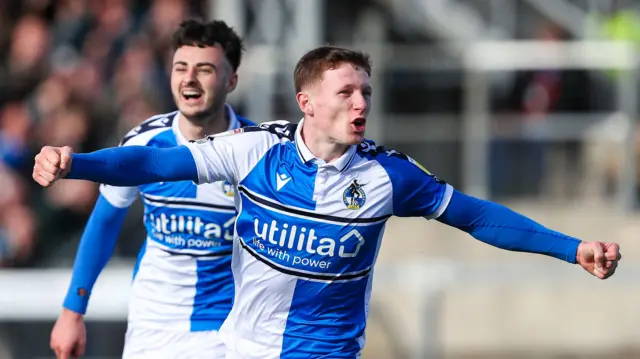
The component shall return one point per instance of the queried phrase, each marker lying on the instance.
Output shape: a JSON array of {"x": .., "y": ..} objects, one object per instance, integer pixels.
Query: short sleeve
[
  {"x": 416, "y": 191},
  {"x": 120, "y": 197},
  {"x": 232, "y": 155},
  {"x": 229, "y": 156},
  {"x": 214, "y": 156}
]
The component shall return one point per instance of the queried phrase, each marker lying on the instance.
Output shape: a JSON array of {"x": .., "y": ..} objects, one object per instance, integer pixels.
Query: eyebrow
[
  {"x": 199, "y": 64},
  {"x": 351, "y": 87}
]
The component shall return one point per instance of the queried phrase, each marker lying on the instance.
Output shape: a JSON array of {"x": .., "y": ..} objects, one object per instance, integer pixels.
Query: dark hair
[
  {"x": 314, "y": 63},
  {"x": 202, "y": 34}
]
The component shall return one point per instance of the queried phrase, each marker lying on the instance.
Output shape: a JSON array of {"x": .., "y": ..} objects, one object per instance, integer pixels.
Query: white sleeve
[
  {"x": 229, "y": 155},
  {"x": 214, "y": 159},
  {"x": 121, "y": 197}
]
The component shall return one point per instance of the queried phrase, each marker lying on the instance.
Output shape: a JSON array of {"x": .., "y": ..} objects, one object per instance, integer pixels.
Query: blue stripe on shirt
[{"x": 501, "y": 227}]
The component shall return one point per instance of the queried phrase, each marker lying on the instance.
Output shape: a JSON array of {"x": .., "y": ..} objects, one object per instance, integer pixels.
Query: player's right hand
[
  {"x": 51, "y": 164},
  {"x": 69, "y": 335}
]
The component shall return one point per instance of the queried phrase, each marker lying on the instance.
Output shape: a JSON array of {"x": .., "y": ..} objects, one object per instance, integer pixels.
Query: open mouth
[
  {"x": 191, "y": 95},
  {"x": 359, "y": 124}
]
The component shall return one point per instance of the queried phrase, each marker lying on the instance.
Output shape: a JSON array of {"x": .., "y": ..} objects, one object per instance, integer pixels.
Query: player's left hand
[{"x": 599, "y": 258}]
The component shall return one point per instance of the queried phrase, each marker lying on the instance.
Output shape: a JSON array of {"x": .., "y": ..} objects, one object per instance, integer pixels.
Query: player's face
[
  {"x": 201, "y": 78},
  {"x": 341, "y": 103}
]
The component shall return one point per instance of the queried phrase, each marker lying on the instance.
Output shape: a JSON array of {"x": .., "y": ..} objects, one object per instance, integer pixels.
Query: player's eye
[
  {"x": 205, "y": 71},
  {"x": 180, "y": 69}
]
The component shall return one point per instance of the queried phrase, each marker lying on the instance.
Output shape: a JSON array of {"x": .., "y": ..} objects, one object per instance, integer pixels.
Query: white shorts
[{"x": 143, "y": 343}]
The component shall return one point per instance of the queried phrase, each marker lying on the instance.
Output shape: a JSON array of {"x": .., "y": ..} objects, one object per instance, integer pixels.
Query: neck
[
  {"x": 192, "y": 129},
  {"x": 321, "y": 145}
]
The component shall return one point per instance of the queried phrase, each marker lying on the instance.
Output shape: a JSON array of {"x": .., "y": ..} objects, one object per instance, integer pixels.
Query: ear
[
  {"x": 232, "y": 83},
  {"x": 304, "y": 102}
]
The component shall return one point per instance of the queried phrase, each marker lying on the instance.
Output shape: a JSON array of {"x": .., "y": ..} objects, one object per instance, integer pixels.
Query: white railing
[{"x": 485, "y": 57}]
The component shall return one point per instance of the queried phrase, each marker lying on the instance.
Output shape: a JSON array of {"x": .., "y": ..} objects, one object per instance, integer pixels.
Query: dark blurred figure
[
  {"x": 26, "y": 63},
  {"x": 519, "y": 166}
]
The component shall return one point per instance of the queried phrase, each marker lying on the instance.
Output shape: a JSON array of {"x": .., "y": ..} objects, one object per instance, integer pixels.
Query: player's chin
[
  {"x": 354, "y": 139},
  {"x": 192, "y": 111}
]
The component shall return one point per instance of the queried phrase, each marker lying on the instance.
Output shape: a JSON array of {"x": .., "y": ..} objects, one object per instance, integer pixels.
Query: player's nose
[
  {"x": 360, "y": 103},
  {"x": 189, "y": 76}
]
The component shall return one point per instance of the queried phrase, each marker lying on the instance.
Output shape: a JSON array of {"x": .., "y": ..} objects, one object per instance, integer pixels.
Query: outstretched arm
[
  {"x": 134, "y": 165},
  {"x": 501, "y": 227},
  {"x": 417, "y": 192},
  {"x": 119, "y": 166}
]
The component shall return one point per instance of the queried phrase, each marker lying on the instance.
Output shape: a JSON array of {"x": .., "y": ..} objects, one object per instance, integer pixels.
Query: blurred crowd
[{"x": 78, "y": 73}]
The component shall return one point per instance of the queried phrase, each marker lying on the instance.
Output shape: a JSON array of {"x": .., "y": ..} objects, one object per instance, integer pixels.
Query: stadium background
[{"x": 549, "y": 129}]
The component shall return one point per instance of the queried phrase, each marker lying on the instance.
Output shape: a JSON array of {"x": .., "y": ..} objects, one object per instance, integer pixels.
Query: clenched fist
[
  {"x": 69, "y": 335},
  {"x": 51, "y": 164},
  {"x": 599, "y": 258}
]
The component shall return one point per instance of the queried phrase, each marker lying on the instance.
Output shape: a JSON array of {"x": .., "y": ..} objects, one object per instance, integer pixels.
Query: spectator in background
[
  {"x": 17, "y": 223},
  {"x": 518, "y": 166},
  {"x": 27, "y": 61},
  {"x": 81, "y": 72}
]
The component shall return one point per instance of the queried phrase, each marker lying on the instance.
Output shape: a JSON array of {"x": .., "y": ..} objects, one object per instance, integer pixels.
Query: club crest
[
  {"x": 227, "y": 189},
  {"x": 354, "y": 196}
]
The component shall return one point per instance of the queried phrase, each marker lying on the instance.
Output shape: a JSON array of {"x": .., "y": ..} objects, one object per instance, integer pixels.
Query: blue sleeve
[
  {"x": 95, "y": 249},
  {"x": 501, "y": 227},
  {"x": 134, "y": 165},
  {"x": 416, "y": 191}
]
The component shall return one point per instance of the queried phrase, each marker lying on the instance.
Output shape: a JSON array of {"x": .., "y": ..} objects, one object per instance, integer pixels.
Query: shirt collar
[
  {"x": 341, "y": 163},
  {"x": 233, "y": 123}
]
